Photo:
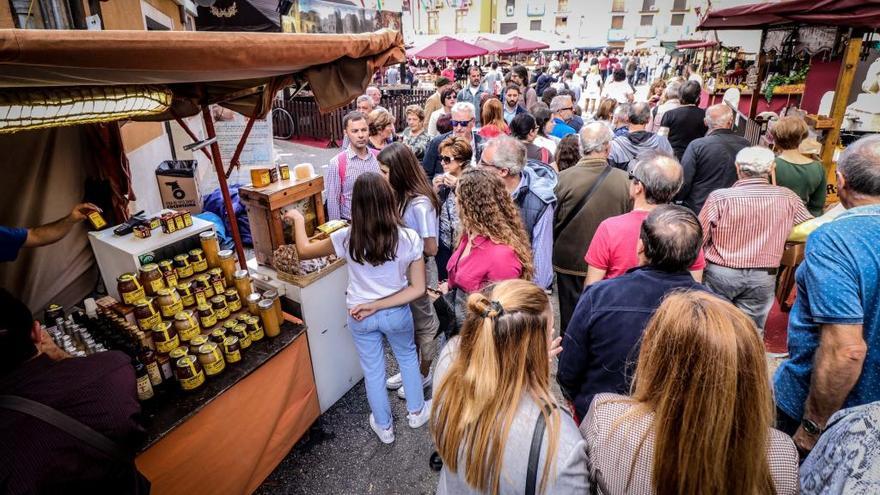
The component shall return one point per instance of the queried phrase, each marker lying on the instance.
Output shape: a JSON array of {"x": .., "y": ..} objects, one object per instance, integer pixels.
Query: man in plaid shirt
[{"x": 344, "y": 168}]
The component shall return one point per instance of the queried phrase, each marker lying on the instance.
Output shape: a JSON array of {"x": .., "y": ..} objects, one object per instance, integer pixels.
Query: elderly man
[
  {"x": 709, "y": 161},
  {"x": 620, "y": 119},
  {"x": 532, "y": 191},
  {"x": 473, "y": 93},
  {"x": 744, "y": 232},
  {"x": 433, "y": 102},
  {"x": 671, "y": 94},
  {"x": 365, "y": 104},
  {"x": 685, "y": 123},
  {"x": 625, "y": 148},
  {"x": 561, "y": 108},
  {"x": 655, "y": 179},
  {"x": 344, "y": 168},
  {"x": 601, "y": 343},
  {"x": 574, "y": 120},
  {"x": 586, "y": 194},
  {"x": 834, "y": 326},
  {"x": 375, "y": 94},
  {"x": 462, "y": 121}
]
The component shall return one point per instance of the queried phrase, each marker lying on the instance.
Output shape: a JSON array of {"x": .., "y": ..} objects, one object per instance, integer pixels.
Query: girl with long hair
[
  {"x": 491, "y": 389},
  {"x": 492, "y": 117},
  {"x": 701, "y": 412},
  {"x": 386, "y": 272},
  {"x": 418, "y": 205}
]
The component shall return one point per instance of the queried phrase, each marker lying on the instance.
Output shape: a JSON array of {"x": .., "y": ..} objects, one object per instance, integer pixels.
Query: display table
[{"x": 228, "y": 436}]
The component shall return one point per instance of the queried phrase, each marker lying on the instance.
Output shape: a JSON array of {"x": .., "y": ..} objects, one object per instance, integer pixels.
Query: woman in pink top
[{"x": 493, "y": 245}]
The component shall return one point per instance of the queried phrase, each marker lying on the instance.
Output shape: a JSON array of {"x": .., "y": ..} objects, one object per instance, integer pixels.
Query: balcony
[
  {"x": 618, "y": 35},
  {"x": 646, "y": 32}
]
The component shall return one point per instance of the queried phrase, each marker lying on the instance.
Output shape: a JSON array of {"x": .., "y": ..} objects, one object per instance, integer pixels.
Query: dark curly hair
[{"x": 568, "y": 152}]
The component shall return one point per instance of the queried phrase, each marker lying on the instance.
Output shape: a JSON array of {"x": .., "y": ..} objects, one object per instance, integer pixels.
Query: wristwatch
[{"x": 811, "y": 427}]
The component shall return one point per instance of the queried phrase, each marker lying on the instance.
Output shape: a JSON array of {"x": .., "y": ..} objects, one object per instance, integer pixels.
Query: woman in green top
[{"x": 801, "y": 174}]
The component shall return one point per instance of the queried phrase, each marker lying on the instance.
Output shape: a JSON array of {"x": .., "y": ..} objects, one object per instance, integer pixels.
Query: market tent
[
  {"x": 693, "y": 44},
  {"x": 241, "y": 71},
  {"x": 519, "y": 44},
  {"x": 847, "y": 13},
  {"x": 448, "y": 47},
  {"x": 491, "y": 45}
]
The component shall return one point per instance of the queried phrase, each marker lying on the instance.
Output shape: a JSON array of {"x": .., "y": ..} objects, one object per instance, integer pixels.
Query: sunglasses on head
[{"x": 460, "y": 123}]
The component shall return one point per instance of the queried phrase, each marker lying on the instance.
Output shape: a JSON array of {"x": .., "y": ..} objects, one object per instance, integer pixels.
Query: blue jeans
[{"x": 396, "y": 324}]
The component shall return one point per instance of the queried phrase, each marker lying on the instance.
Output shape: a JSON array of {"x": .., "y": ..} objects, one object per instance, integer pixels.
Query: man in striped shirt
[
  {"x": 744, "y": 232},
  {"x": 345, "y": 167}
]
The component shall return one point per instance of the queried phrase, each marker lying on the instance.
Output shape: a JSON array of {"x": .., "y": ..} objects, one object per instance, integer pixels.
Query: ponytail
[{"x": 483, "y": 379}]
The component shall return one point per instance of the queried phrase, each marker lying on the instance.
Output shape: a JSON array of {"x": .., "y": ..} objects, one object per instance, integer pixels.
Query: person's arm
[
  {"x": 665, "y": 124},
  {"x": 543, "y": 249},
  {"x": 708, "y": 218},
  {"x": 689, "y": 169},
  {"x": 304, "y": 247},
  {"x": 598, "y": 256},
  {"x": 332, "y": 188},
  {"x": 53, "y": 232},
  {"x": 816, "y": 201},
  {"x": 415, "y": 290},
  {"x": 594, "y": 275},
  {"x": 430, "y": 246}
]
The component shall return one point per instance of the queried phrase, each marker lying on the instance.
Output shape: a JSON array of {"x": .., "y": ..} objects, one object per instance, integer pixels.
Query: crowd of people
[{"x": 661, "y": 232}]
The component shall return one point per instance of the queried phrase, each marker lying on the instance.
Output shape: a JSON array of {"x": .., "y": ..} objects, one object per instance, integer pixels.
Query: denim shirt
[{"x": 602, "y": 340}]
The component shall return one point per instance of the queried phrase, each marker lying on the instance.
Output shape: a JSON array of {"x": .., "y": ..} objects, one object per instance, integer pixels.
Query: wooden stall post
[
  {"x": 762, "y": 74},
  {"x": 224, "y": 186},
  {"x": 838, "y": 109}
]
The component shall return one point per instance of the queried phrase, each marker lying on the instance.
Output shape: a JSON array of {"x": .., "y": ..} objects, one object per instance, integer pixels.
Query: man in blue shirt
[
  {"x": 12, "y": 239},
  {"x": 561, "y": 108},
  {"x": 602, "y": 341},
  {"x": 834, "y": 327}
]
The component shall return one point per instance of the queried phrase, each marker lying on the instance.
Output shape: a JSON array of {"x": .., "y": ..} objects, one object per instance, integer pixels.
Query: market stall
[{"x": 209, "y": 337}]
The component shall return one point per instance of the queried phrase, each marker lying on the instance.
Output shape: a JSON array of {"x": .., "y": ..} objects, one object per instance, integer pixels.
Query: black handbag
[{"x": 444, "y": 306}]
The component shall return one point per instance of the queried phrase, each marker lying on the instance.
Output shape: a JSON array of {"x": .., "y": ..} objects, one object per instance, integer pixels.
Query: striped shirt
[
  {"x": 746, "y": 225},
  {"x": 355, "y": 167}
]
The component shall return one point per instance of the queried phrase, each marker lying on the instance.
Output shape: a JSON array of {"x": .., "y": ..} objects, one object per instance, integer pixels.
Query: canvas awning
[
  {"x": 521, "y": 45},
  {"x": 241, "y": 71},
  {"x": 847, "y": 13},
  {"x": 491, "y": 45},
  {"x": 692, "y": 44},
  {"x": 448, "y": 47}
]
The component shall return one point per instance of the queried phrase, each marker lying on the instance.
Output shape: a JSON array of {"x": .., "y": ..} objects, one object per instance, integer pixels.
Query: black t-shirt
[{"x": 685, "y": 124}]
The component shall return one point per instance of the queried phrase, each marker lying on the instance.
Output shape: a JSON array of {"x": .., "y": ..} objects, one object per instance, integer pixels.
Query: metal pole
[{"x": 224, "y": 187}]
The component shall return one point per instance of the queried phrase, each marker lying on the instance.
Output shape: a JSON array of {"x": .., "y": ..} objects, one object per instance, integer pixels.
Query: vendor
[{"x": 12, "y": 239}]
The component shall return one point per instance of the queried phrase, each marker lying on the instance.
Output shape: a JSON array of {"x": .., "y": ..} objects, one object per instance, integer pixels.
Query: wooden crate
[{"x": 266, "y": 207}]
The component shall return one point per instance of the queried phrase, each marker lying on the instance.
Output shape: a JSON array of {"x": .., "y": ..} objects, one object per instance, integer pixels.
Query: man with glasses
[
  {"x": 562, "y": 109},
  {"x": 462, "y": 121}
]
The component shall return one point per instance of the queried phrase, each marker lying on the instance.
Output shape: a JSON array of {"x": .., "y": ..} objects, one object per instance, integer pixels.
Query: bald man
[{"x": 708, "y": 162}]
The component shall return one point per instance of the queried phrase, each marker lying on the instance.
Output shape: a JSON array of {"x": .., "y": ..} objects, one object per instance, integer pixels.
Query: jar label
[
  {"x": 222, "y": 314},
  {"x": 208, "y": 321},
  {"x": 154, "y": 373},
  {"x": 133, "y": 296},
  {"x": 167, "y": 370},
  {"x": 144, "y": 388},
  {"x": 215, "y": 367},
  {"x": 194, "y": 382},
  {"x": 245, "y": 341},
  {"x": 257, "y": 335},
  {"x": 171, "y": 279},
  {"x": 201, "y": 297},
  {"x": 234, "y": 306},
  {"x": 188, "y": 334},
  {"x": 233, "y": 357},
  {"x": 168, "y": 345},
  {"x": 172, "y": 309},
  {"x": 218, "y": 286},
  {"x": 149, "y": 322},
  {"x": 200, "y": 266},
  {"x": 184, "y": 272},
  {"x": 188, "y": 300},
  {"x": 157, "y": 284}
]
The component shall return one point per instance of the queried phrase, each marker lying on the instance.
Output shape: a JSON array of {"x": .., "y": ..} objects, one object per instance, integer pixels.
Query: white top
[
  {"x": 368, "y": 283},
  {"x": 432, "y": 122},
  {"x": 617, "y": 90},
  {"x": 545, "y": 142},
  {"x": 421, "y": 217}
]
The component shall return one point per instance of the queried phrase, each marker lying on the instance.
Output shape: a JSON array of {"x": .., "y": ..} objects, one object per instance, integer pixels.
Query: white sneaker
[
  {"x": 426, "y": 380},
  {"x": 394, "y": 382},
  {"x": 385, "y": 436},
  {"x": 420, "y": 418}
]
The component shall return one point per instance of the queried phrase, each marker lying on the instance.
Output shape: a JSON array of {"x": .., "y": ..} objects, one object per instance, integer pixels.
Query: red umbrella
[
  {"x": 491, "y": 45},
  {"x": 447, "y": 47},
  {"x": 848, "y": 13},
  {"x": 522, "y": 45}
]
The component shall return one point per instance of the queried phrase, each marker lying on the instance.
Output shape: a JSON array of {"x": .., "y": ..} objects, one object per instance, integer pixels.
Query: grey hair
[
  {"x": 755, "y": 161},
  {"x": 639, "y": 113},
  {"x": 671, "y": 236},
  {"x": 560, "y": 102},
  {"x": 510, "y": 153},
  {"x": 673, "y": 91},
  {"x": 660, "y": 174},
  {"x": 464, "y": 106},
  {"x": 859, "y": 164},
  {"x": 719, "y": 116},
  {"x": 364, "y": 98},
  {"x": 594, "y": 137}
]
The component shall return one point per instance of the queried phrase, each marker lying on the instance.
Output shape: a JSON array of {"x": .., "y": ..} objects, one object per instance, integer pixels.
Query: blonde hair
[
  {"x": 486, "y": 208},
  {"x": 501, "y": 358},
  {"x": 702, "y": 372},
  {"x": 378, "y": 120}
]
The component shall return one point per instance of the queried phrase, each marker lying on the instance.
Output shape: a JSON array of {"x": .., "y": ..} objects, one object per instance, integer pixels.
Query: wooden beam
[
  {"x": 838, "y": 108},
  {"x": 762, "y": 74}
]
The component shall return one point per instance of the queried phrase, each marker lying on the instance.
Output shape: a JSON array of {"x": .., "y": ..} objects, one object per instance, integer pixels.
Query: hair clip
[{"x": 494, "y": 310}]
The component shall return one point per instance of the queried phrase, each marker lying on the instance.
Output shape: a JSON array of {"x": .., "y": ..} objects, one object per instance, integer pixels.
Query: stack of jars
[{"x": 197, "y": 310}]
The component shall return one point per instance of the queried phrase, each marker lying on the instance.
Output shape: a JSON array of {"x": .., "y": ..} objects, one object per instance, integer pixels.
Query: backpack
[{"x": 342, "y": 166}]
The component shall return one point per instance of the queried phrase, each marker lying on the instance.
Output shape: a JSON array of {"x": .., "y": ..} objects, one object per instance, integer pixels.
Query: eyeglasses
[
  {"x": 461, "y": 123},
  {"x": 566, "y": 108},
  {"x": 633, "y": 178},
  {"x": 446, "y": 159}
]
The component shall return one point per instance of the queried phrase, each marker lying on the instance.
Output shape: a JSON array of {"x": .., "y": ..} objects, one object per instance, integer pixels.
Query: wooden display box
[{"x": 266, "y": 207}]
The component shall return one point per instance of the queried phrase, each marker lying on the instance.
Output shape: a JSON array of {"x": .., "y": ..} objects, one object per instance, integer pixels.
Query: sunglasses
[
  {"x": 446, "y": 159},
  {"x": 461, "y": 123},
  {"x": 566, "y": 108}
]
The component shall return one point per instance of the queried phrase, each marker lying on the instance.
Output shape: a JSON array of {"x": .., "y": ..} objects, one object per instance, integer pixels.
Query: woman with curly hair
[{"x": 493, "y": 245}]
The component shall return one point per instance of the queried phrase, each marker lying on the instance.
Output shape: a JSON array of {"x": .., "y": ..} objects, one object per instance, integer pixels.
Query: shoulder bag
[
  {"x": 583, "y": 202},
  {"x": 535, "y": 454}
]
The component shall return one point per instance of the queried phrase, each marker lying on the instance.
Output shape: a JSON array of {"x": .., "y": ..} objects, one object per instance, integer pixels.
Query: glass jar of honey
[
  {"x": 151, "y": 278},
  {"x": 218, "y": 303},
  {"x": 186, "y": 325},
  {"x": 182, "y": 266},
  {"x": 270, "y": 318},
  {"x": 233, "y": 301},
  {"x": 129, "y": 288},
  {"x": 255, "y": 329},
  {"x": 203, "y": 289},
  {"x": 210, "y": 246},
  {"x": 276, "y": 303},
  {"x": 168, "y": 273},
  {"x": 242, "y": 280},
  {"x": 165, "y": 337},
  {"x": 227, "y": 265},
  {"x": 252, "y": 301},
  {"x": 169, "y": 302},
  {"x": 218, "y": 281},
  {"x": 198, "y": 261},
  {"x": 145, "y": 315},
  {"x": 185, "y": 290},
  {"x": 207, "y": 318}
]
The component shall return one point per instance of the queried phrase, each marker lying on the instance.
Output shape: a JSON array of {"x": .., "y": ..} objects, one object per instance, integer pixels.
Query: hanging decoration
[{"x": 225, "y": 13}]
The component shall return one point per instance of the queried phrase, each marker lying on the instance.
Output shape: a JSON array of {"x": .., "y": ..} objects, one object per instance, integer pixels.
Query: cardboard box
[{"x": 179, "y": 186}]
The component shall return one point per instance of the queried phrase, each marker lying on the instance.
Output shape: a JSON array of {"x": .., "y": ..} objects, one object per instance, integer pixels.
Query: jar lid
[
  {"x": 230, "y": 324},
  {"x": 184, "y": 286},
  {"x": 142, "y": 302},
  {"x": 196, "y": 252},
  {"x": 218, "y": 299},
  {"x": 215, "y": 271},
  {"x": 198, "y": 340},
  {"x": 230, "y": 341},
  {"x": 265, "y": 304},
  {"x": 164, "y": 263},
  {"x": 270, "y": 294},
  {"x": 218, "y": 331},
  {"x": 203, "y": 307},
  {"x": 231, "y": 292},
  {"x": 225, "y": 254},
  {"x": 149, "y": 267},
  {"x": 240, "y": 327},
  {"x": 184, "y": 316},
  {"x": 254, "y": 298},
  {"x": 127, "y": 277},
  {"x": 186, "y": 361},
  {"x": 240, "y": 274},
  {"x": 164, "y": 291},
  {"x": 178, "y": 352},
  {"x": 208, "y": 234},
  {"x": 207, "y": 348},
  {"x": 161, "y": 327},
  {"x": 181, "y": 257}
]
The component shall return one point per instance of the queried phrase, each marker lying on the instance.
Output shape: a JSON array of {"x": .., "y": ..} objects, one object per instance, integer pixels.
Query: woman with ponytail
[{"x": 492, "y": 394}]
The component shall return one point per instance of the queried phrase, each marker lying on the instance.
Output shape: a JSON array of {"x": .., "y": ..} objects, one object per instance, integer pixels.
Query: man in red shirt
[
  {"x": 744, "y": 231},
  {"x": 655, "y": 179}
]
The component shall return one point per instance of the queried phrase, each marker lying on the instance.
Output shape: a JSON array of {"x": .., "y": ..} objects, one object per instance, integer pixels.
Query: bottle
[
  {"x": 148, "y": 357},
  {"x": 144, "y": 385}
]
